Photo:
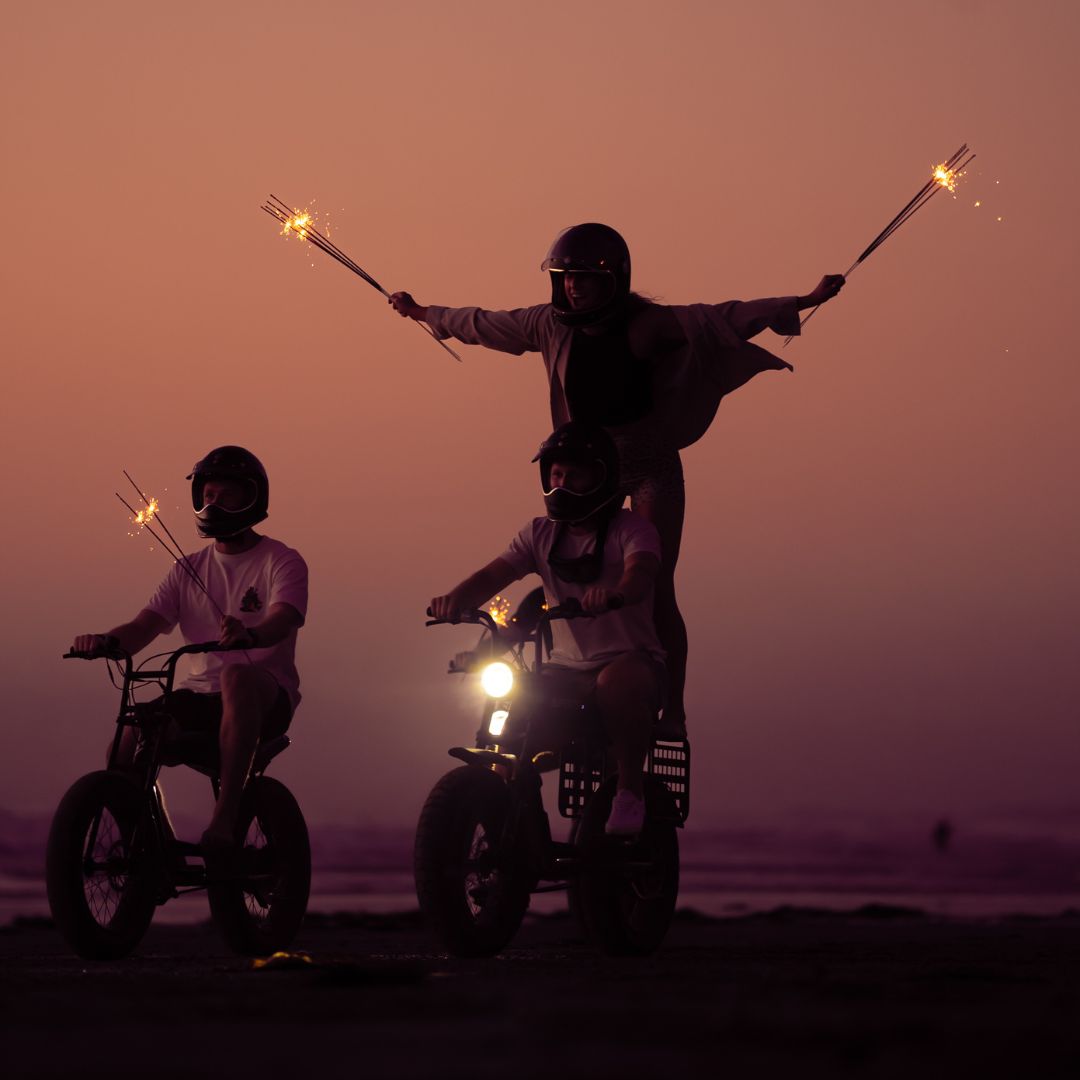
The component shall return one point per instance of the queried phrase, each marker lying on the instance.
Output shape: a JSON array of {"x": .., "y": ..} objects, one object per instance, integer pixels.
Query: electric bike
[
  {"x": 484, "y": 842},
  {"x": 112, "y": 857}
]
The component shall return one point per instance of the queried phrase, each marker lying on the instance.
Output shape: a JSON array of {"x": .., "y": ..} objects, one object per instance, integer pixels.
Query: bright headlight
[
  {"x": 497, "y": 679},
  {"x": 497, "y": 723}
]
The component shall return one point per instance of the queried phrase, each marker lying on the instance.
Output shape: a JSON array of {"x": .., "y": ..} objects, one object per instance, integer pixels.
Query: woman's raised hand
[
  {"x": 406, "y": 306},
  {"x": 826, "y": 289}
]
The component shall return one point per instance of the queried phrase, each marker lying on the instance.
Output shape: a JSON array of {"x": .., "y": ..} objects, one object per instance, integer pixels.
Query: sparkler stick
[
  {"x": 301, "y": 225},
  {"x": 944, "y": 175},
  {"x": 305, "y": 230},
  {"x": 152, "y": 508},
  {"x": 178, "y": 556},
  {"x": 143, "y": 521}
]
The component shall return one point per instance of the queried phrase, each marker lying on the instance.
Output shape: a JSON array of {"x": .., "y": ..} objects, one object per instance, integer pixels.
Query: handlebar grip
[{"x": 471, "y": 616}]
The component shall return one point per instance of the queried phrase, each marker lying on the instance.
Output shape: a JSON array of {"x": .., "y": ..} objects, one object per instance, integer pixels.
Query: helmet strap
[{"x": 582, "y": 569}]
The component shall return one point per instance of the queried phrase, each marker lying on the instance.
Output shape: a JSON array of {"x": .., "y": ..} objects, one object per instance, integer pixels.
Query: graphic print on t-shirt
[{"x": 251, "y": 601}]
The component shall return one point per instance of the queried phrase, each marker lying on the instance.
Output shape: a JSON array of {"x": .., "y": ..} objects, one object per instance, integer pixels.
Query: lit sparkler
[
  {"x": 944, "y": 176},
  {"x": 499, "y": 610},
  {"x": 300, "y": 223},
  {"x": 144, "y": 517},
  {"x": 151, "y": 513}
]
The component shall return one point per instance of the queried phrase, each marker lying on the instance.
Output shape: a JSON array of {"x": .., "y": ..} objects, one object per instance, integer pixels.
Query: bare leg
[
  {"x": 247, "y": 695},
  {"x": 666, "y": 510},
  {"x": 625, "y": 693}
]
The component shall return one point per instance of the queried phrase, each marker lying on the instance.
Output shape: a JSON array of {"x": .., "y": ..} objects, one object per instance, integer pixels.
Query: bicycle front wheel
[
  {"x": 99, "y": 873},
  {"x": 472, "y": 891}
]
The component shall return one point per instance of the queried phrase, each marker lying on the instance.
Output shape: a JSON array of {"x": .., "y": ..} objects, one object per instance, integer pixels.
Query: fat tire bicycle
[
  {"x": 112, "y": 859},
  {"x": 483, "y": 842}
]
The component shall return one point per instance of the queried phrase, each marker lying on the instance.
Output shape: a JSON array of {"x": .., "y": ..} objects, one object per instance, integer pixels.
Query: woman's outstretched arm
[
  {"x": 747, "y": 318},
  {"x": 517, "y": 331}
]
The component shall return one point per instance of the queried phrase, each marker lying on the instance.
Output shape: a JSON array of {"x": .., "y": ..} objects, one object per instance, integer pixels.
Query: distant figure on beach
[
  {"x": 590, "y": 550},
  {"x": 942, "y": 835},
  {"x": 258, "y": 591},
  {"x": 651, "y": 374}
]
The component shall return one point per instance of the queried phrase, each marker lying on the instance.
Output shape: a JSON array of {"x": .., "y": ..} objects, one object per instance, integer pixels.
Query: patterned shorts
[{"x": 648, "y": 469}]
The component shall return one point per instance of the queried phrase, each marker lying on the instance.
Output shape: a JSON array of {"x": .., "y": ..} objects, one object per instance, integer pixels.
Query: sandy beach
[{"x": 875, "y": 992}]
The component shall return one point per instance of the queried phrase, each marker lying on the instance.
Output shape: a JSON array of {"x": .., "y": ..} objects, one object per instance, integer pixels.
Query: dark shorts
[
  {"x": 202, "y": 712},
  {"x": 581, "y": 685}
]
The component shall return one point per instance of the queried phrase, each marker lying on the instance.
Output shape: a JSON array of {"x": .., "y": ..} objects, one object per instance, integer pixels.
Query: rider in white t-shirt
[
  {"x": 588, "y": 549},
  {"x": 261, "y": 586}
]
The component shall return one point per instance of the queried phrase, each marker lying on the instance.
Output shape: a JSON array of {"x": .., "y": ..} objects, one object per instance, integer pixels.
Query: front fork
[{"x": 527, "y": 832}]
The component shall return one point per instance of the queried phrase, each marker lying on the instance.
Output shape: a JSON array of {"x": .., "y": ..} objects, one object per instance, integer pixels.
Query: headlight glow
[
  {"x": 497, "y": 722},
  {"x": 497, "y": 679}
]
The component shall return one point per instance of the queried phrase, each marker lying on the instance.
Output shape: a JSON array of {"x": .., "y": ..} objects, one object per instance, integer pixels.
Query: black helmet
[
  {"x": 584, "y": 444},
  {"x": 229, "y": 463},
  {"x": 591, "y": 248}
]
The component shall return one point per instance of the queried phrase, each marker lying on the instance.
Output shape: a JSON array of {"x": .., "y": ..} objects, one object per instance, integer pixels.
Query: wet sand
[{"x": 878, "y": 992}]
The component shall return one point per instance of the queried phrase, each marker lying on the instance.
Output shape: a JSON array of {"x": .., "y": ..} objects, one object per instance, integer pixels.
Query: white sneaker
[{"x": 627, "y": 814}]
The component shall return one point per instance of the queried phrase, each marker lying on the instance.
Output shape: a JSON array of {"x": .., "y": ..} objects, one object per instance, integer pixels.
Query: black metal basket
[{"x": 584, "y": 766}]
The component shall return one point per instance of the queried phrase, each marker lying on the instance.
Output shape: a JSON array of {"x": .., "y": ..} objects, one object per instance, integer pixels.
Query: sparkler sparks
[
  {"x": 499, "y": 609},
  {"x": 151, "y": 513},
  {"x": 300, "y": 223},
  {"x": 943, "y": 177},
  {"x": 144, "y": 517},
  {"x": 946, "y": 177}
]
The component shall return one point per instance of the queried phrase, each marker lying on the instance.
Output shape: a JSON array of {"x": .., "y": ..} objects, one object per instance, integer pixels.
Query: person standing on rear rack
[
  {"x": 651, "y": 374},
  {"x": 261, "y": 587},
  {"x": 608, "y": 559}
]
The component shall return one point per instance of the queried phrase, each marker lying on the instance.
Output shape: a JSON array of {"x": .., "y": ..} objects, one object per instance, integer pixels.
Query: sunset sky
[{"x": 879, "y": 571}]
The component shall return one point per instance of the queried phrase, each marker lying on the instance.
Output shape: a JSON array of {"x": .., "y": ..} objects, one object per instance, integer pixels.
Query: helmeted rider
[
  {"x": 243, "y": 589},
  {"x": 589, "y": 549},
  {"x": 651, "y": 374}
]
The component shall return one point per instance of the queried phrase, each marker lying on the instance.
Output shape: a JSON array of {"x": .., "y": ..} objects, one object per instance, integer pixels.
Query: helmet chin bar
[
  {"x": 594, "y": 511},
  {"x": 213, "y": 521}
]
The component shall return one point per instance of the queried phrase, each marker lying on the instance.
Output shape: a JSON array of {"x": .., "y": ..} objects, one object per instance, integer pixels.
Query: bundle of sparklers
[
  {"x": 301, "y": 224},
  {"x": 944, "y": 175},
  {"x": 144, "y": 518}
]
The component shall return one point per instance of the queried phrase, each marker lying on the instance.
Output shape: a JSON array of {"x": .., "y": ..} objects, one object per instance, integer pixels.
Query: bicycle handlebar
[
  {"x": 123, "y": 654},
  {"x": 569, "y": 609}
]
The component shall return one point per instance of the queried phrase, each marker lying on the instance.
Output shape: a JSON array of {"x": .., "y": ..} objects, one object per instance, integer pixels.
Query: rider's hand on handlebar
[
  {"x": 94, "y": 644},
  {"x": 445, "y": 608},
  {"x": 598, "y": 599},
  {"x": 234, "y": 633}
]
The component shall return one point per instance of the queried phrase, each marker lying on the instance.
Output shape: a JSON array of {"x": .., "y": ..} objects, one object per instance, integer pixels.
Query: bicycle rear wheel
[
  {"x": 624, "y": 896},
  {"x": 99, "y": 873}
]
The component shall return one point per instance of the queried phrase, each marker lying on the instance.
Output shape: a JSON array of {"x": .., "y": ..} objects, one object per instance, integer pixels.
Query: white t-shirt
[
  {"x": 590, "y": 643},
  {"x": 244, "y": 586}
]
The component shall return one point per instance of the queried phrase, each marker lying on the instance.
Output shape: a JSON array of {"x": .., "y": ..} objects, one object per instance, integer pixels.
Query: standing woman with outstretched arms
[{"x": 651, "y": 374}]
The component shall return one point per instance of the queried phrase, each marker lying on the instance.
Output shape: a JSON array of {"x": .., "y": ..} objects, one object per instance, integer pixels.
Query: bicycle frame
[
  {"x": 152, "y": 725},
  {"x": 522, "y": 763}
]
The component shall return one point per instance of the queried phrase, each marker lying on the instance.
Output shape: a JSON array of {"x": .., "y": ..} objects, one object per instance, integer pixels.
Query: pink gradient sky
[{"x": 880, "y": 565}]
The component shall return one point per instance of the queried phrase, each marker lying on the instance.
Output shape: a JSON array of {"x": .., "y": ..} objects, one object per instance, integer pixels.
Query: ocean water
[{"x": 1007, "y": 870}]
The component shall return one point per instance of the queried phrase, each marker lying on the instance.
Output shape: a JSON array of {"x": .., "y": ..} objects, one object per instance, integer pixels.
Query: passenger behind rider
[
  {"x": 590, "y": 550},
  {"x": 261, "y": 586}
]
